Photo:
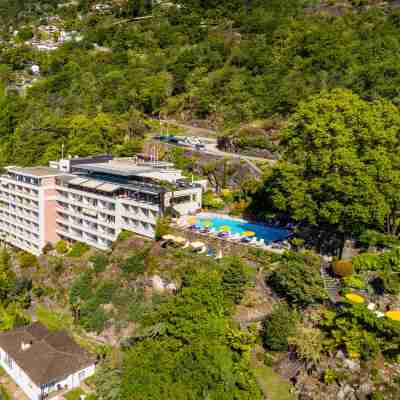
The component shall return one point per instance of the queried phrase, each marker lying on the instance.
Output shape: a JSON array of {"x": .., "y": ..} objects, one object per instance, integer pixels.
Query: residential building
[
  {"x": 41, "y": 362},
  {"x": 97, "y": 201},
  {"x": 91, "y": 200},
  {"x": 28, "y": 207}
]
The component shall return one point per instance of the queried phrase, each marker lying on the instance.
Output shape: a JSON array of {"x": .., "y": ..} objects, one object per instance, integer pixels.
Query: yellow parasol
[
  {"x": 248, "y": 234},
  {"x": 192, "y": 220},
  {"x": 225, "y": 228},
  {"x": 393, "y": 315},
  {"x": 207, "y": 223},
  {"x": 355, "y": 298}
]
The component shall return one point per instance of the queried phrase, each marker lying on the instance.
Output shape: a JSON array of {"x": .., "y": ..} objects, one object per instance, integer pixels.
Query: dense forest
[{"x": 322, "y": 79}]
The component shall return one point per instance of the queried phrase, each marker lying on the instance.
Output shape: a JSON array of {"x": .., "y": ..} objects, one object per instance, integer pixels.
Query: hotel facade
[{"x": 90, "y": 200}]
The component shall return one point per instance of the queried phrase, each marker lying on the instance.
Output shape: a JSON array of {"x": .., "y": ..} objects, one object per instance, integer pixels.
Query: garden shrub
[
  {"x": 354, "y": 281},
  {"x": 124, "y": 235},
  {"x": 78, "y": 249},
  {"x": 298, "y": 279},
  {"x": 92, "y": 317},
  {"x": 234, "y": 279},
  {"x": 27, "y": 260},
  {"x": 105, "y": 292},
  {"x": 342, "y": 268},
  {"x": 134, "y": 264},
  {"x": 99, "y": 262},
  {"x": 47, "y": 248},
  {"x": 162, "y": 227},
  {"x": 279, "y": 326},
  {"x": 61, "y": 247}
]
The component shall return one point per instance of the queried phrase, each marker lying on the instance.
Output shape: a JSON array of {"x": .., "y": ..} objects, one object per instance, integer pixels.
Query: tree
[
  {"x": 298, "y": 279},
  {"x": 279, "y": 326},
  {"x": 234, "y": 279},
  {"x": 340, "y": 171}
]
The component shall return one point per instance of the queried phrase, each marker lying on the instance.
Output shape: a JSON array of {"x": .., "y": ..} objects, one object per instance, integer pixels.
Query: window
[{"x": 9, "y": 361}]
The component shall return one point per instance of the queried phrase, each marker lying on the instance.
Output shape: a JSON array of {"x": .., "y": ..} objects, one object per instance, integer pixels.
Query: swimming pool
[{"x": 267, "y": 233}]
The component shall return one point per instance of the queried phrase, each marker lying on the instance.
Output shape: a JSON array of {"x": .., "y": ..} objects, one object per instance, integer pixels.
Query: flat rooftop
[
  {"x": 160, "y": 171},
  {"x": 36, "y": 172}
]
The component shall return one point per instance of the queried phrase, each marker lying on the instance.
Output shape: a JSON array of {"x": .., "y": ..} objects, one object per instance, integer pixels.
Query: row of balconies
[
  {"x": 77, "y": 210},
  {"x": 21, "y": 190},
  {"x": 85, "y": 200},
  {"x": 24, "y": 244},
  {"x": 26, "y": 224},
  {"x": 28, "y": 214},
  {"x": 87, "y": 226},
  {"x": 18, "y": 200},
  {"x": 19, "y": 231},
  {"x": 81, "y": 236}
]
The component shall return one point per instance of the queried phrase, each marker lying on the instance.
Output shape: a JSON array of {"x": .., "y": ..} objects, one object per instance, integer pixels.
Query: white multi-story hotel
[{"x": 91, "y": 200}]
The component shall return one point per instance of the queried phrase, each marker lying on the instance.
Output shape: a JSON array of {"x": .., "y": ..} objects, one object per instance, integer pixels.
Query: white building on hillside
[{"x": 41, "y": 362}]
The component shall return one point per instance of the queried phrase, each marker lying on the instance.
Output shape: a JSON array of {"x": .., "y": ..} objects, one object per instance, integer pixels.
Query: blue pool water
[{"x": 239, "y": 226}]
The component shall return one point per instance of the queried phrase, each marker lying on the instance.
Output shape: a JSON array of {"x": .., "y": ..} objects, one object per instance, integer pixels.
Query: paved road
[{"x": 209, "y": 138}]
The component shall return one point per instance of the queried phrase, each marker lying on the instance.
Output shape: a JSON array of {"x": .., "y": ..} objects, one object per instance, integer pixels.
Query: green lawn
[{"x": 272, "y": 385}]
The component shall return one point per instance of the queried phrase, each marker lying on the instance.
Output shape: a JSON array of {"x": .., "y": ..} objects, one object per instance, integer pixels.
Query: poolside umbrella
[
  {"x": 355, "y": 298},
  {"x": 225, "y": 228},
  {"x": 248, "y": 234},
  {"x": 192, "y": 220},
  {"x": 393, "y": 315},
  {"x": 168, "y": 237},
  {"x": 207, "y": 223}
]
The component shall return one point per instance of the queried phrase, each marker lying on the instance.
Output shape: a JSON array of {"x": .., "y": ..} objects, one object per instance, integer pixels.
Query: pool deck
[{"x": 183, "y": 225}]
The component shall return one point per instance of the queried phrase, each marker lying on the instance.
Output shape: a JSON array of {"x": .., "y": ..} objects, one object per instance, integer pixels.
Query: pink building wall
[{"x": 50, "y": 210}]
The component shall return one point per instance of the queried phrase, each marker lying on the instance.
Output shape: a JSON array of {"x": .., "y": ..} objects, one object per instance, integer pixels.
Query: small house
[{"x": 42, "y": 362}]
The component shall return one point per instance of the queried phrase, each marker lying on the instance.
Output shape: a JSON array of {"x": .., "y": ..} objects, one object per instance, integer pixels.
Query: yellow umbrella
[
  {"x": 207, "y": 223},
  {"x": 168, "y": 237},
  {"x": 225, "y": 228},
  {"x": 248, "y": 234},
  {"x": 192, "y": 220},
  {"x": 355, "y": 298},
  {"x": 394, "y": 315}
]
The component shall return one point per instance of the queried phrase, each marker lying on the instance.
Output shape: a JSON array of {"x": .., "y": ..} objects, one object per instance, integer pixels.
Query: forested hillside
[
  {"x": 227, "y": 63},
  {"x": 314, "y": 82}
]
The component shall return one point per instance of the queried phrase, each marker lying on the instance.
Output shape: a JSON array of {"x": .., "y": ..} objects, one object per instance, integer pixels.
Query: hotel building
[
  {"x": 28, "y": 207},
  {"x": 91, "y": 200}
]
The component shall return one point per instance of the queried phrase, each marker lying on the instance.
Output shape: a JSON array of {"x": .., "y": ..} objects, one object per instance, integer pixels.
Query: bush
[
  {"x": 134, "y": 264},
  {"x": 212, "y": 201},
  {"x": 343, "y": 268},
  {"x": 61, "y": 247},
  {"x": 92, "y": 317},
  {"x": 162, "y": 228},
  {"x": 47, "y": 248},
  {"x": 27, "y": 260},
  {"x": 124, "y": 235},
  {"x": 279, "y": 326},
  {"x": 234, "y": 279},
  {"x": 78, "y": 249},
  {"x": 99, "y": 262},
  {"x": 105, "y": 292},
  {"x": 268, "y": 359},
  {"x": 74, "y": 394},
  {"x": 298, "y": 279},
  {"x": 354, "y": 281}
]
